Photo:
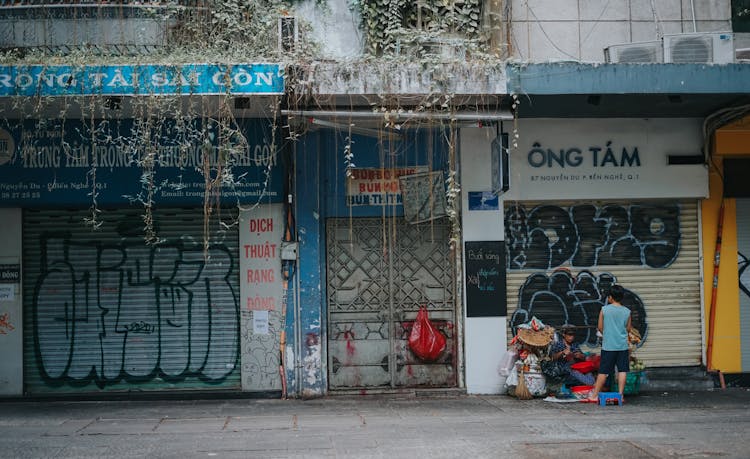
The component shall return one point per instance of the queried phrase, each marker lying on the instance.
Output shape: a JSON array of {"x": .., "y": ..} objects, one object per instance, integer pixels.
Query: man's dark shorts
[{"x": 610, "y": 359}]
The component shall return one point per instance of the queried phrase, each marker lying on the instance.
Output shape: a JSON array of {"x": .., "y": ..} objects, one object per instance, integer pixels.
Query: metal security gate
[
  {"x": 379, "y": 272},
  {"x": 563, "y": 256},
  {"x": 105, "y": 311}
]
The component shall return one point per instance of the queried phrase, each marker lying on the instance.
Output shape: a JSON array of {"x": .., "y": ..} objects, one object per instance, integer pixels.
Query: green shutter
[{"x": 105, "y": 311}]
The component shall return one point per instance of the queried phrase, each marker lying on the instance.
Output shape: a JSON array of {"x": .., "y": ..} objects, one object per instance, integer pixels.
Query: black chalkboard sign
[
  {"x": 740, "y": 16},
  {"x": 485, "y": 279}
]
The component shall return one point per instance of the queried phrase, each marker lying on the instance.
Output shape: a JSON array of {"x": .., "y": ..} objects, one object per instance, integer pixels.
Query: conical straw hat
[{"x": 537, "y": 338}]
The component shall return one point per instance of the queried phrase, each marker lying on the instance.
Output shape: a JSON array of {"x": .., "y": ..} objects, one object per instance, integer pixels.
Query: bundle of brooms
[{"x": 522, "y": 391}]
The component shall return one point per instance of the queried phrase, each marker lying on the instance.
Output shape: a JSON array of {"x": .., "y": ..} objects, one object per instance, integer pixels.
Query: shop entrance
[{"x": 379, "y": 272}]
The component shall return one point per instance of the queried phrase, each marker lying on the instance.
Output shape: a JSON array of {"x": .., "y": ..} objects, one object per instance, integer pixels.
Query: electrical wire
[
  {"x": 551, "y": 42},
  {"x": 717, "y": 120},
  {"x": 604, "y": 10}
]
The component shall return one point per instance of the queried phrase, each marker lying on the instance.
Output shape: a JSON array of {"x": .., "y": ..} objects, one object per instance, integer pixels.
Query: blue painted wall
[
  {"x": 578, "y": 78},
  {"x": 311, "y": 266}
]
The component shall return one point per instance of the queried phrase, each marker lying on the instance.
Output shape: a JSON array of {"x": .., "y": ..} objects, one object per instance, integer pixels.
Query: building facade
[{"x": 272, "y": 223}]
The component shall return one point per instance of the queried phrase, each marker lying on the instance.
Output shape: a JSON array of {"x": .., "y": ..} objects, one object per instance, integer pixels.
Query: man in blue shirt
[{"x": 614, "y": 324}]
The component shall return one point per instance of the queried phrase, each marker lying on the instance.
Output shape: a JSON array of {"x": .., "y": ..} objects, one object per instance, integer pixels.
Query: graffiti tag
[
  {"x": 126, "y": 312},
  {"x": 549, "y": 236},
  {"x": 562, "y": 298}
]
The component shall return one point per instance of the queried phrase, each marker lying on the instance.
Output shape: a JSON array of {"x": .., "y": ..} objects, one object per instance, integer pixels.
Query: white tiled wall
[
  {"x": 550, "y": 30},
  {"x": 547, "y": 30}
]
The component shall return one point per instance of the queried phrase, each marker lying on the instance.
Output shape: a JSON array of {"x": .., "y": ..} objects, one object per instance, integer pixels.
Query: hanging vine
[
  {"x": 391, "y": 26},
  {"x": 222, "y": 31},
  {"x": 227, "y": 31}
]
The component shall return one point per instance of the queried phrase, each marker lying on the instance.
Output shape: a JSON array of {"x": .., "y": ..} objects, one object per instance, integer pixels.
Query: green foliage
[
  {"x": 227, "y": 25},
  {"x": 245, "y": 31},
  {"x": 386, "y": 22},
  {"x": 217, "y": 30}
]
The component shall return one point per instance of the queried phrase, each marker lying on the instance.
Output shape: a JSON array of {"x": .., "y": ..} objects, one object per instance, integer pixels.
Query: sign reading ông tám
[
  {"x": 606, "y": 159},
  {"x": 376, "y": 187}
]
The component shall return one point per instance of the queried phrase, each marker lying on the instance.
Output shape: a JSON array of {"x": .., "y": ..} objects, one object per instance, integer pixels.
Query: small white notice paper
[
  {"x": 260, "y": 322},
  {"x": 7, "y": 292}
]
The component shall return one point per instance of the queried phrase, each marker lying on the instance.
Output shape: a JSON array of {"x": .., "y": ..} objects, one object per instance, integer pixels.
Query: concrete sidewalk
[{"x": 661, "y": 425}]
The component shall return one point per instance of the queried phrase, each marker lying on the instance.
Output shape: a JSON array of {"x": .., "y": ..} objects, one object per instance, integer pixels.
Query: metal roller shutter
[
  {"x": 743, "y": 247},
  {"x": 562, "y": 256},
  {"x": 104, "y": 311}
]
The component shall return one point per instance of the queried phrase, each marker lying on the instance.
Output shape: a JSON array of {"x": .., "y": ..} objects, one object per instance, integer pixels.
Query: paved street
[{"x": 659, "y": 425}]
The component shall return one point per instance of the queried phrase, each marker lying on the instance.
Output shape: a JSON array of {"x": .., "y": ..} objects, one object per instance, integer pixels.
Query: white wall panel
[
  {"x": 712, "y": 10},
  {"x": 484, "y": 337},
  {"x": 595, "y": 36},
  {"x": 11, "y": 320},
  {"x": 519, "y": 36},
  {"x": 336, "y": 27},
  {"x": 554, "y": 41},
  {"x": 543, "y": 10},
  {"x": 596, "y": 10}
]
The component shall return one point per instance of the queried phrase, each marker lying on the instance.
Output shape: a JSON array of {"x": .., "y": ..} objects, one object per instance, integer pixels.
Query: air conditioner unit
[
  {"x": 627, "y": 53},
  {"x": 699, "y": 47},
  {"x": 439, "y": 49},
  {"x": 288, "y": 34}
]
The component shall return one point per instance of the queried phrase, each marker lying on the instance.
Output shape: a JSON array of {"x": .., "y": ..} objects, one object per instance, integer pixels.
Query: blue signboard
[
  {"x": 483, "y": 200},
  {"x": 133, "y": 80},
  {"x": 114, "y": 162}
]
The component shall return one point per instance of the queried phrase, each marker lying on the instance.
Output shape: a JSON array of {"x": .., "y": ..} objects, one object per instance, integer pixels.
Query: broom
[{"x": 522, "y": 392}]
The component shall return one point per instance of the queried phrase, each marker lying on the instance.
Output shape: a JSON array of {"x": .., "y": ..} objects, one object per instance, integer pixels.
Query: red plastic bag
[{"x": 425, "y": 341}]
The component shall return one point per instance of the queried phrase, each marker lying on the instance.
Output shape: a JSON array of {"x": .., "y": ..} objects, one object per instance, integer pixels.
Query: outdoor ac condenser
[
  {"x": 640, "y": 52},
  {"x": 699, "y": 47}
]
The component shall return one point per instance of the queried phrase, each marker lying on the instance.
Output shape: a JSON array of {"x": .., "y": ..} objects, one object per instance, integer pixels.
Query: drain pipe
[
  {"x": 692, "y": 10},
  {"x": 656, "y": 19},
  {"x": 402, "y": 116},
  {"x": 714, "y": 295}
]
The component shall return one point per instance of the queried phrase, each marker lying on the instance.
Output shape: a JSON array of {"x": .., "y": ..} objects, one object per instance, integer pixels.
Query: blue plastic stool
[{"x": 605, "y": 397}]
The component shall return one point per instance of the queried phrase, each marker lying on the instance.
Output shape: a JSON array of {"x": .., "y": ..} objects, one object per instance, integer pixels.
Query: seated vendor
[{"x": 565, "y": 352}]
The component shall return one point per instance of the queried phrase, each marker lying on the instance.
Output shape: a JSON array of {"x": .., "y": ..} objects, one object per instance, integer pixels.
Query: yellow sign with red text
[{"x": 376, "y": 186}]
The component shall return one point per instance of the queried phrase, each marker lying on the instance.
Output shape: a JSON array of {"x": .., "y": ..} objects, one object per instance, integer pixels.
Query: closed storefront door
[
  {"x": 563, "y": 256},
  {"x": 379, "y": 273},
  {"x": 105, "y": 310}
]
